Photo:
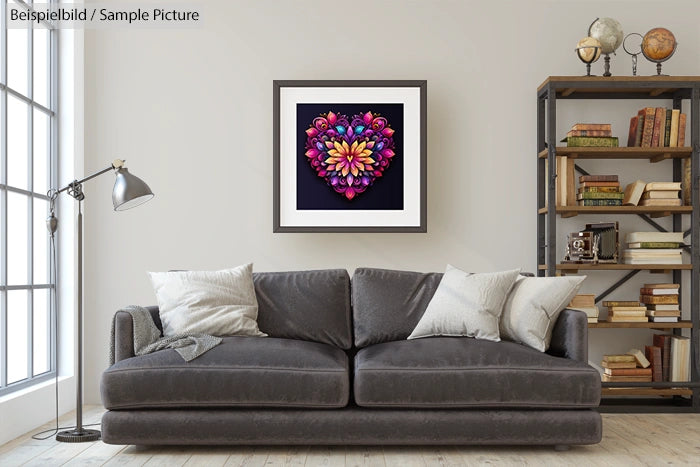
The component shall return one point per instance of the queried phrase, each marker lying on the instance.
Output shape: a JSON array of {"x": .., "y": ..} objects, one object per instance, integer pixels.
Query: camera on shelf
[{"x": 597, "y": 243}]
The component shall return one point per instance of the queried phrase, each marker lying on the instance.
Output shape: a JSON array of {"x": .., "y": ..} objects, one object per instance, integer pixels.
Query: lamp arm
[{"x": 117, "y": 164}]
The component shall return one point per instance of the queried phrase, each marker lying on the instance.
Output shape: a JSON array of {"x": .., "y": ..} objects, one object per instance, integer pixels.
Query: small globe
[
  {"x": 609, "y": 32},
  {"x": 588, "y": 49},
  {"x": 658, "y": 44}
]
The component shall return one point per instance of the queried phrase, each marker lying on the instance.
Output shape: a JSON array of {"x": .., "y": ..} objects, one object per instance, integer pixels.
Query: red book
[
  {"x": 659, "y": 123},
  {"x": 640, "y": 128},
  {"x": 597, "y": 178},
  {"x": 631, "y": 137},
  {"x": 653, "y": 354},
  {"x": 648, "y": 130},
  {"x": 664, "y": 342},
  {"x": 681, "y": 130}
]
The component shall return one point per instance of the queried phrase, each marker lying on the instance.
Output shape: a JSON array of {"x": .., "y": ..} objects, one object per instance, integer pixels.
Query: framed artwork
[{"x": 349, "y": 156}]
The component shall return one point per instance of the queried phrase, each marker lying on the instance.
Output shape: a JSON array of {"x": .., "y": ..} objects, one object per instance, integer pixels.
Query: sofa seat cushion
[
  {"x": 461, "y": 372},
  {"x": 241, "y": 371}
]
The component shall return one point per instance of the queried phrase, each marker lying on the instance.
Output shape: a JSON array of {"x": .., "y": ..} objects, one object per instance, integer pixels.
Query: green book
[
  {"x": 600, "y": 189},
  {"x": 654, "y": 245},
  {"x": 592, "y": 141},
  {"x": 600, "y": 202},
  {"x": 599, "y": 195},
  {"x": 667, "y": 128}
]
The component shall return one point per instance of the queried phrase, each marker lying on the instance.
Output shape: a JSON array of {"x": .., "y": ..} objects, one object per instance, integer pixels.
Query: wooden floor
[{"x": 627, "y": 440}]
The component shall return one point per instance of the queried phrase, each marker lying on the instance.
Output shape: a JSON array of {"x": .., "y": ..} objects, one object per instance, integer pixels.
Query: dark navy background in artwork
[{"x": 385, "y": 194}]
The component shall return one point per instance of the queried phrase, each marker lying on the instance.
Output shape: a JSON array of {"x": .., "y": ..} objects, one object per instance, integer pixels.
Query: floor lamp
[{"x": 129, "y": 191}]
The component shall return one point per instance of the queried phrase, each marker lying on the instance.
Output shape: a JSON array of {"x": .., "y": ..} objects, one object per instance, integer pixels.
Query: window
[{"x": 27, "y": 171}]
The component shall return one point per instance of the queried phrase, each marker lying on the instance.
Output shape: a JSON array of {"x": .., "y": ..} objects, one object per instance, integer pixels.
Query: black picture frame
[{"x": 417, "y": 214}]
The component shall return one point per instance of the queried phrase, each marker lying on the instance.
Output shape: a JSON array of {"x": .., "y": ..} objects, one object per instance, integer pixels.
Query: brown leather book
[
  {"x": 598, "y": 178},
  {"x": 596, "y": 133},
  {"x": 681, "y": 130},
  {"x": 631, "y": 137},
  {"x": 599, "y": 184},
  {"x": 628, "y": 371},
  {"x": 659, "y": 121},
  {"x": 653, "y": 354},
  {"x": 648, "y": 130},
  {"x": 663, "y": 341},
  {"x": 592, "y": 126},
  {"x": 666, "y": 299},
  {"x": 605, "y": 364}
]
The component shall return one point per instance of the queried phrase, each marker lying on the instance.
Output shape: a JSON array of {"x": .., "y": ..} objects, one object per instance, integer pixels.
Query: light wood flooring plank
[
  {"x": 246, "y": 457},
  {"x": 58, "y": 454},
  {"x": 325, "y": 456},
  {"x": 208, "y": 456},
  {"x": 97, "y": 454},
  {"x": 131, "y": 456},
  {"x": 364, "y": 456},
  {"x": 21, "y": 454},
  {"x": 397, "y": 456},
  {"x": 169, "y": 456}
]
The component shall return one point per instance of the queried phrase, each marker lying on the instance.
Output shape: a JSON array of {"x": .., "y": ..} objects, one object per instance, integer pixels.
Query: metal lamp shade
[{"x": 129, "y": 191}]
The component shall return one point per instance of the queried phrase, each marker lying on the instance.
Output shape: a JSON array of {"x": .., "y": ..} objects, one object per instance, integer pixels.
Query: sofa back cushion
[
  {"x": 387, "y": 304},
  {"x": 307, "y": 305}
]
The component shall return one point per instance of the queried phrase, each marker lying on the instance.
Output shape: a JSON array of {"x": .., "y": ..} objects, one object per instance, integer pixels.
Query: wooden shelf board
[
  {"x": 649, "y": 325},
  {"x": 655, "y": 211},
  {"x": 650, "y": 86},
  {"x": 618, "y": 267},
  {"x": 646, "y": 392},
  {"x": 653, "y": 154}
]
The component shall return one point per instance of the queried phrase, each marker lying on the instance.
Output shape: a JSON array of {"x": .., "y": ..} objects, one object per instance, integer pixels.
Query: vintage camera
[{"x": 597, "y": 243}]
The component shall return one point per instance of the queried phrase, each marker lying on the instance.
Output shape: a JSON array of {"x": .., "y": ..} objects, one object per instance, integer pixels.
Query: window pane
[
  {"x": 41, "y": 65},
  {"x": 42, "y": 326},
  {"x": 17, "y": 59},
  {"x": 41, "y": 152},
  {"x": 41, "y": 242},
  {"x": 17, "y": 150},
  {"x": 17, "y": 238},
  {"x": 16, "y": 335}
]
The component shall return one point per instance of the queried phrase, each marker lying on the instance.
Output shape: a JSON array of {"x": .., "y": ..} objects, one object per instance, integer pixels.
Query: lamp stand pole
[{"x": 79, "y": 434}]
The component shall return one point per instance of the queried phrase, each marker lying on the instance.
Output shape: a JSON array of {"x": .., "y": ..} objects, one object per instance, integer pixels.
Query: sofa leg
[{"x": 561, "y": 447}]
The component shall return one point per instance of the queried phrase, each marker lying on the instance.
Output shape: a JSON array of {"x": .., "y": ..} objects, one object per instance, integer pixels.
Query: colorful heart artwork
[{"x": 350, "y": 154}]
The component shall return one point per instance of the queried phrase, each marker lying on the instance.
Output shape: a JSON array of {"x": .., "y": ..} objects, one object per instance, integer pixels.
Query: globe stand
[
  {"x": 582, "y": 56},
  {"x": 607, "y": 66}
]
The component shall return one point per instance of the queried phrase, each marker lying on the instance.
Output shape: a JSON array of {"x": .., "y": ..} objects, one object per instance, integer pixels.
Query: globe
[
  {"x": 609, "y": 32},
  {"x": 658, "y": 44},
  {"x": 588, "y": 49}
]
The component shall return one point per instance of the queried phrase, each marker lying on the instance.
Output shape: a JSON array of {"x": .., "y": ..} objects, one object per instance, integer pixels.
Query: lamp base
[{"x": 78, "y": 436}]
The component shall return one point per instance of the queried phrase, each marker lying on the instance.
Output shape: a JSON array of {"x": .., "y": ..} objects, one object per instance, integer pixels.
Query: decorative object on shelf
[
  {"x": 350, "y": 156},
  {"x": 633, "y": 50},
  {"x": 588, "y": 51},
  {"x": 608, "y": 32},
  {"x": 129, "y": 191},
  {"x": 658, "y": 45},
  {"x": 596, "y": 244}
]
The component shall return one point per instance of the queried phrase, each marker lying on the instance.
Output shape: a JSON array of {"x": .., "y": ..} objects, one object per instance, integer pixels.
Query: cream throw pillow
[
  {"x": 533, "y": 307},
  {"x": 220, "y": 303},
  {"x": 466, "y": 304}
]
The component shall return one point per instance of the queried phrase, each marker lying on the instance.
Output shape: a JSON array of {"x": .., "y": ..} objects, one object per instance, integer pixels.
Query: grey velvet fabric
[
  {"x": 241, "y": 371},
  {"x": 570, "y": 336},
  {"x": 387, "y": 304},
  {"x": 457, "y": 372},
  {"x": 307, "y": 305},
  {"x": 351, "y": 426}
]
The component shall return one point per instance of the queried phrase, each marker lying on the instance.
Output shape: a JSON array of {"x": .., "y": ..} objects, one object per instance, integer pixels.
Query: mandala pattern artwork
[{"x": 350, "y": 154}]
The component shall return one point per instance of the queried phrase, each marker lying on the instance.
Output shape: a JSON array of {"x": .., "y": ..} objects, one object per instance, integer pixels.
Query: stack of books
[
  {"x": 591, "y": 135},
  {"x": 661, "y": 194},
  {"x": 626, "y": 311},
  {"x": 629, "y": 367},
  {"x": 653, "y": 248},
  {"x": 585, "y": 303},
  {"x": 599, "y": 190},
  {"x": 654, "y": 127},
  {"x": 661, "y": 301}
]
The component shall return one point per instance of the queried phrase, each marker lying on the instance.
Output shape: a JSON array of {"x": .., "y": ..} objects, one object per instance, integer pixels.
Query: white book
[
  {"x": 652, "y": 252},
  {"x": 634, "y": 237},
  {"x": 628, "y": 260},
  {"x": 662, "y": 307},
  {"x": 663, "y": 319},
  {"x": 680, "y": 358}
]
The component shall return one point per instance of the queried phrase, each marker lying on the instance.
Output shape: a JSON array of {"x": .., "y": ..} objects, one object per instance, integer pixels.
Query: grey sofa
[{"x": 337, "y": 369}]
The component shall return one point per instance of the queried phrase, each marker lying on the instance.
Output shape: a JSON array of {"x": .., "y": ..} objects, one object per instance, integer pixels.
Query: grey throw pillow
[
  {"x": 220, "y": 303},
  {"x": 466, "y": 304}
]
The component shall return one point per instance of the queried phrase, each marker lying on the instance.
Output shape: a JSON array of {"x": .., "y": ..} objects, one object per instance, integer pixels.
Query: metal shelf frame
[{"x": 676, "y": 89}]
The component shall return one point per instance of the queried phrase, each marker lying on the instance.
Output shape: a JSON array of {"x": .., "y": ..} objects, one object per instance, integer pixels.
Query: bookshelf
[{"x": 628, "y": 396}]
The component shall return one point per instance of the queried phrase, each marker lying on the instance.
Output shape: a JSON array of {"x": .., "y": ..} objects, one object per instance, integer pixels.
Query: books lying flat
[
  {"x": 605, "y": 364},
  {"x": 600, "y": 202},
  {"x": 582, "y": 300},
  {"x": 653, "y": 245},
  {"x": 589, "y": 133},
  {"x": 662, "y": 286},
  {"x": 627, "y": 319},
  {"x": 599, "y": 195},
  {"x": 627, "y": 371},
  {"x": 662, "y": 307},
  {"x": 680, "y": 359},
  {"x": 627, "y": 308},
  {"x": 600, "y": 184},
  {"x": 660, "y": 202},
  {"x": 599, "y": 189},
  {"x": 610, "y": 303},
  {"x": 592, "y": 141},
  {"x": 660, "y": 194},
  {"x": 651, "y": 251},
  {"x": 598, "y": 178},
  {"x": 664, "y": 313},
  {"x": 663, "y": 186},
  {"x": 639, "y": 356},
  {"x": 619, "y": 358},
  {"x": 656, "y": 299},
  {"x": 591, "y": 311},
  {"x": 663, "y": 319},
  {"x": 675, "y": 237},
  {"x": 626, "y": 379},
  {"x": 671, "y": 260},
  {"x": 645, "y": 291},
  {"x": 592, "y": 126}
]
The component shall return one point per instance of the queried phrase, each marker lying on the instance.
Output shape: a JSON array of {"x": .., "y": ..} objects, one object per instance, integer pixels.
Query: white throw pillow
[
  {"x": 533, "y": 307},
  {"x": 466, "y": 304},
  {"x": 220, "y": 303}
]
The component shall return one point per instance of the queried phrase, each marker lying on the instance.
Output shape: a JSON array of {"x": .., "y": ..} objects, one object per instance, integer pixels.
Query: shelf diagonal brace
[{"x": 617, "y": 284}]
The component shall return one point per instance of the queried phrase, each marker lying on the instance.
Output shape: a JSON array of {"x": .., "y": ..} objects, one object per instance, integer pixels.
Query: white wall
[{"x": 191, "y": 111}]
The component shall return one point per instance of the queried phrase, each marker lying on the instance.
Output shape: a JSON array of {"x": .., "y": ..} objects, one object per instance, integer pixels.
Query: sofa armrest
[
  {"x": 124, "y": 333},
  {"x": 570, "y": 336}
]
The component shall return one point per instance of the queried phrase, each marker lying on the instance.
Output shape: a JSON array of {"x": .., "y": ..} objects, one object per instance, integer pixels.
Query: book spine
[
  {"x": 657, "y": 245},
  {"x": 600, "y": 202},
  {"x": 599, "y": 189},
  {"x": 653, "y": 354},
  {"x": 601, "y": 195},
  {"x": 659, "y": 118},
  {"x": 659, "y": 299},
  {"x": 599, "y": 184},
  {"x": 589, "y": 133},
  {"x": 592, "y": 126},
  {"x": 634, "y": 121},
  {"x": 645, "y": 291},
  {"x": 648, "y": 130},
  {"x": 681, "y": 130},
  {"x": 610, "y": 303},
  {"x": 592, "y": 141},
  {"x": 597, "y": 178},
  {"x": 673, "y": 140},
  {"x": 667, "y": 129}
]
